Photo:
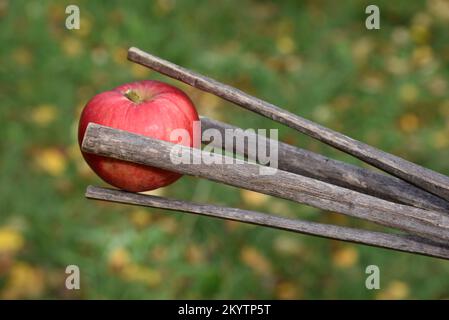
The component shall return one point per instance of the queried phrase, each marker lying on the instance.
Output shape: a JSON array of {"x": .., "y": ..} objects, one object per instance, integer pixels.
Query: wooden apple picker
[{"x": 124, "y": 136}]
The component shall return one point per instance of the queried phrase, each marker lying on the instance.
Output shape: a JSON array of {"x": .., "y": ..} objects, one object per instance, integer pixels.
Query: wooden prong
[
  {"x": 135, "y": 148},
  {"x": 426, "y": 179},
  {"x": 404, "y": 243},
  {"x": 313, "y": 165}
]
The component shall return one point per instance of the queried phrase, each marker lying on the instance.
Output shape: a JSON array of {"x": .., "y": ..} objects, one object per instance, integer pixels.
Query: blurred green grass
[{"x": 315, "y": 58}]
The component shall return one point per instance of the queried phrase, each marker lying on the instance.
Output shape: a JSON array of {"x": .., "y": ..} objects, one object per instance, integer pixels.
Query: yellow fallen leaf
[
  {"x": 373, "y": 81},
  {"x": 396, "y": 290},
  {"x": 140, "y": 218},
  {"x": 254, "y": 259},
  {"x": 118, "y": 259},
  {"x": 408, "y": 93},
  {"x": 85, "y": 26},
  {"x": 138, "y": 273},
  {"x": 168, "y": 225},
  {"x": 119, "y": 55},
  {"x": 72, "y": 47},
  {"x": 441, "y": 139},
  {"x": 11, "y": 241},
  {"x": 420, "y": 33},
  {"x": 280, "y": 207},
  {"x": 361, "y": 49},
  {"x": 400, "y": 36},
  {"x": 165, "y": 6},
  {"x": 285, "y": 44},
  {"x": 422, "y": 55},
  {"x": 253, "y": 198},
  {"x": 139, "y": 71},
  {"x": 409, "y": 122},
  {"x": 194, "y": 254},
  {"x": 288, "y": 245},
  {"x": 345, "y": 257},
  {"x": 337, "y": 218},
  {"x": 438, "y": 86},
  {"x": 322, "y": 113},
  {"x": 232, "y": 225},
  {"x": 397, "y": 66},
  {"x": 44, "y": 114},
  {"x": 51, "y": 160},
  {"x": 422, "y": 18},
  {"x": 24, "y": 281},
  {"x": 208, "y": 100},
  {"x": 440, "y": 9},
  {"x": 286, "y": 290}
]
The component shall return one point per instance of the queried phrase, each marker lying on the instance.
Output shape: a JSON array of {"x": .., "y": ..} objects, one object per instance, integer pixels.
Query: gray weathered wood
[
  {"x": 404, "y": 243},
  {"x": 135, "y": 148},
  {"x": 427, "y": 179},
  {"x": 313, "y": 165}
]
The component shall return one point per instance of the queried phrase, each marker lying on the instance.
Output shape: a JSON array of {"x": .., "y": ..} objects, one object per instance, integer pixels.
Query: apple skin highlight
[{"x": 150, "y": 108}]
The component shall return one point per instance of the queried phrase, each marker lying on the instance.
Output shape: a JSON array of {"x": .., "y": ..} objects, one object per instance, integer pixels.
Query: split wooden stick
[
  {"x": 424, "y": 178},
  {"x": 316, "y": 166},
  {"x": 143, "y": 150},
  {"x": 404, "y": 243}
]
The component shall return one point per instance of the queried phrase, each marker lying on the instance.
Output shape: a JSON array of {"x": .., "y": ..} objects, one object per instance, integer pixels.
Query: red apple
[{"x": 149, "y": 108}]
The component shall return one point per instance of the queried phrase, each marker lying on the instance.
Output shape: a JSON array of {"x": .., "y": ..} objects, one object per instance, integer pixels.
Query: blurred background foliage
[{"x": 388, "y": 88}]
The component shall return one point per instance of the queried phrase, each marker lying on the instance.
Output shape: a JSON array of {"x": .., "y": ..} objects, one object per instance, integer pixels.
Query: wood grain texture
[
  {"x": 424, "y": 178},
  {"x": 404, "y": 243},
  {"x": 313, "y": 165},
  {"x": 135, "y": 148}
]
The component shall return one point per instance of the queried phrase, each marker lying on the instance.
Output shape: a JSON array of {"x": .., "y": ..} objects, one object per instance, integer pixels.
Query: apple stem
[{"x": 133, "y": 96}]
